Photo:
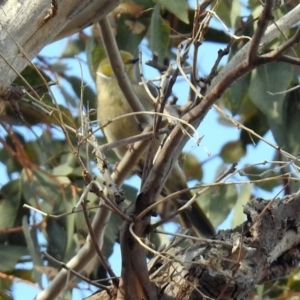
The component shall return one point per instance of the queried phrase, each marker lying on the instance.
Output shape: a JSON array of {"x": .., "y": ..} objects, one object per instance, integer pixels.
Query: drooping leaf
[
  {"x": 132, "y": 26},
  {"x": 258, "y": 124},
  {"x": 244, "y": 196},
  {"x": 159, "y": 34},
  {"x": 10, "y": 199},
  {"x": 217, "y": 202},
  {"x": 191, "y": 167},
  {"x": 266, "y": 79},
  {"x": 95, "y": 52},
  {"x": 238, "y": 100},
  {"x": 57, "y": 240},
  {"x": 9, "y": 256},
  {"x": 178, "y": 7},
  {"x": 73, "y": 47},
  {"x": 33, "y": 249},
  {"x": 232, "y": 151},
  {"x": 42, "y": 189},
  {"x": 264, "y": 175},
  {"x": 223, "y": 10},
  {"x": 82, "y": 90},
  {"x": 291, "y": 122}
]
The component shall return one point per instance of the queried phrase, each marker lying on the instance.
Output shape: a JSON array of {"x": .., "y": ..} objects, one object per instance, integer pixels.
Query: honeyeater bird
[{"x": 111, "y": 104}]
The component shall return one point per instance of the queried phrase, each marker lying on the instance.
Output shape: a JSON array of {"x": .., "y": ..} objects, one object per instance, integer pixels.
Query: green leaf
[
  {"x": 235, "y": 12},
  {"x": 9, "y": 256},
  {"x": 33, "y": 249},
  {"x": 243, "y": 197},
  {"x": 238, "y": 100},
  {"x": 291, "y": 122},
  {"x": 223, "y": 10},
  {"x": 129, "y": 192},
  {"x": 57, "y": 240},
  {"x": 217, "y": 202},
  {"x": 178, "y": 7},
  {"x": 73, "y": 47},
  {"x": 232, "y": 151},
  {"x": 70, "y": 226},
  {"x": 131, "y": 30},
  {"x": 95, "y": 52},
  {"x": 267, "y": 78},
  {"x": 159, "y": 32},
  {"x": 86, "y": 92},
  {"x": 265, "y": 174},
  {"x": 256, "y": 122},
  {"x": 41, "y": 188},
  {"x": 10, "y": 199},
  {"x": 191, "y": 166}
]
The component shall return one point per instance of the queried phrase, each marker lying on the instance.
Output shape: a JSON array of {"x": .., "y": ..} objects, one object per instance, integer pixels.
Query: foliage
[{"x": 47, "y": 160}]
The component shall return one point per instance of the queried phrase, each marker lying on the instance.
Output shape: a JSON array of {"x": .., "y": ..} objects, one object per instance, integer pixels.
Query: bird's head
[{"x": 105, "y": 68}]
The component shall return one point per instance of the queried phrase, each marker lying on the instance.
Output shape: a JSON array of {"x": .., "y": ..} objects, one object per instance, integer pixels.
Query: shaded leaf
[
  {"x": 95, "y": 52},
  {"x": 178, "y": 7},
  {"x": 159, "y": 35},
  {"x": 223, "y": 10},
  {"x": 10, "y": 199},
  {"x": 130, "y": 192},
  {"x": 41, "y": 189},
  {"x": 233, "y": 151},
  {"x": 238, "y": 100},
  {"x": 265, "y": 174},
  {"x": 73, "y": 47},
  {"x": 291, "y": 122},
  {"x": 244, "y": 196},
  {"x": 256, "y": 122},
  {"x": 33, "y": 249},
  {"x": 191, "y": 166},
  {"x": 132, "y": 28},
  {"x": 9, "y": 256},
  {"x": 57, "y": 240},
  {"x": 265, "y": 79},
  {"x": 86, "y": 92},
  {"x": 217, "y": 202}
]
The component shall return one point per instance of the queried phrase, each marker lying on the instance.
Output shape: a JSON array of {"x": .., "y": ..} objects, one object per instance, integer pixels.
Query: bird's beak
[{"x": 132, "y": 61}]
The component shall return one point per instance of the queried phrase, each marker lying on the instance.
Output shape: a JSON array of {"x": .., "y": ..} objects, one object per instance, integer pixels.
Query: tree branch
[
  {"x": 264, "y": 248},
  {"x": 27, "y": 28}
]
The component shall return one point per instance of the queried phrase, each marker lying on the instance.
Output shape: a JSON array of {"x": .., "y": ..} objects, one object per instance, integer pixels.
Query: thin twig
[
  {"x": 64, "y": 266},
  {"x": 103, "y": 260}
]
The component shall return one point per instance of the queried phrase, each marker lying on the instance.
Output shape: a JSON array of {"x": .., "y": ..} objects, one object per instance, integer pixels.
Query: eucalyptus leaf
[
  {"x": 33, "y": 249},
  {"x": 265, "y": 80},
  {"x": 9, "y": 256},
  {"x": 73, "y": 47},
  {"x": 291, "y": 122},
  {"x": 159, "y": 34},
  {"x": 178, "y": 7},
  {"x": 244, "y": 196},
  {"x": 217, "y": 202}
]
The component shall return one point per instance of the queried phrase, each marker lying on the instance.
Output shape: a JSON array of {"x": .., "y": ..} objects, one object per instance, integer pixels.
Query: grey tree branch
[
  {"x": 235, "y": 69},
  {"x": 26, "y": 27},
  {"x": 264, "y": 248}
]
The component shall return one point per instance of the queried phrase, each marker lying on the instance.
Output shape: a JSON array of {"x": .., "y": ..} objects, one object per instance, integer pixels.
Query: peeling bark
[
  {"x": 266, "y": 247},
  {"x": 28, "y": 26}
]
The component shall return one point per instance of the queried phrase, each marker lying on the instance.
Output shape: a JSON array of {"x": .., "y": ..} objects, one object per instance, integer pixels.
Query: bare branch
[{"x": 262, "y": 24}]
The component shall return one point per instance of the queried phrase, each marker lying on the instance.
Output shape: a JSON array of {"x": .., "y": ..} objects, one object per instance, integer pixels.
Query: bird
[{"x": 111, "y": 104}]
